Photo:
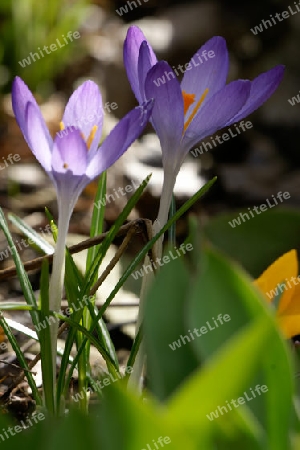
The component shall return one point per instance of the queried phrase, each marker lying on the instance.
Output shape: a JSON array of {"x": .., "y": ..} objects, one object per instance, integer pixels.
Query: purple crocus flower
[
  {"x": 73, "y": 159},
  {"x": 187, "y": 112}
]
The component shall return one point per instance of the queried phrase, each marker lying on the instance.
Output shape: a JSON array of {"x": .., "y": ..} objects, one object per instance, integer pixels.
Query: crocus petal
[
  {"x": 216, "y": 112},
  {"x": 262, "y": 87},
  {"x": 131, "y": 50},
  {"x": 276, "y": 274},
  {"x": 21, "y": 97},
  {"x": 69, "y": 160},
  {"x": 292, "y": 308},
  {"x": 211, "y": 74},
  {"x": 144, "y": 65},
  {"x": 168, "y": 113},
  {"x": 84, "y": 110},
  {"x": 289, "y": 319},
  {"x": 69, "y": 153},
  {"x": 289, "y": 325},
  {"x": 119, "y": 139},
  {"x": 38, "y": 139}
]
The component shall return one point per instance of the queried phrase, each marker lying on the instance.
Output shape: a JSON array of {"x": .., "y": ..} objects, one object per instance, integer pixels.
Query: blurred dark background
[{"x": 251, "y": 167}]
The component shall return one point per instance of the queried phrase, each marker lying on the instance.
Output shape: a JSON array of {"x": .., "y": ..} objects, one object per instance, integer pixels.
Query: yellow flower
[{"x": 280, "y": 282}]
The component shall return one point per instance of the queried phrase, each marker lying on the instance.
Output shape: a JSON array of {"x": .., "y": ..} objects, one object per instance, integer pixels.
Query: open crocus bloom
[
  {"x": 73, "y": 158},
  {"x": 280, "y": 285},
  {"x": 187, "y": 112}
]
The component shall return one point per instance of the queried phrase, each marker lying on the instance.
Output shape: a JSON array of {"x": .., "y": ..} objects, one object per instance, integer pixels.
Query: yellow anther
[
  {"x": 61, "y": 126},
  {"x": 188, "y": 100},
  {"x": 65, "y": 166},
  {"x": 202, "y": 98},
  {"x": 91, "y": 136}
]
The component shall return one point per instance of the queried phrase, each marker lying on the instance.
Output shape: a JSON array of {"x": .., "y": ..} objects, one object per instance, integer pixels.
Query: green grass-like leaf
[
  {"x": 93, "y": 340},
  {"x": 37, "y": 241},
  {"x": 21, "y": 359},
  {"x": 22, "y": 275},
  {"x": 172, "y": 229},
  {"x": 93, "y": 270},
  {"x": 97, "y": 219},
  {"x": 139, "y": 258}
]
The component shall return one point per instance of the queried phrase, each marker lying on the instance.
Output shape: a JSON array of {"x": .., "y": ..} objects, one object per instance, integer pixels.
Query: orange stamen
[
  {"x": 202, "y": 98},
  {"x": 65, "y": 166},
  {"x": 188, "y": 100},
  {"x": 91, "y": 136}
]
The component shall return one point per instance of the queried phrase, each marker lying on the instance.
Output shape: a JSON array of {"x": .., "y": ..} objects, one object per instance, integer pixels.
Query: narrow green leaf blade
[
  {"x": 21, "y": 359},
  {"x": 90, "y": 275},
  {"x": 22, "y": 275},
  {"x": 97, "y": 218},
  {"x": 32, "y": 235}
]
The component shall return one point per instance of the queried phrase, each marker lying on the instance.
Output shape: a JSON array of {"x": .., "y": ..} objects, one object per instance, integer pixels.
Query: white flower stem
[
  {"x": 162, "y": 218},
  {"x": 57, "y": 279},
  {"x": 163, "y": 212}
]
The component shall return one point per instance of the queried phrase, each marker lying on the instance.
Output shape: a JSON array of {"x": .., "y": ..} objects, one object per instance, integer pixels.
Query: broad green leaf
[
  {"x": 34, "y": 437},
  {"x": 169, "y": 360},
  {"x": 221, "y": 291},
  {"x": 218, "y": 382},
  {"x": 76, "y": 431},
  {"x": 131, "y": 424}
]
